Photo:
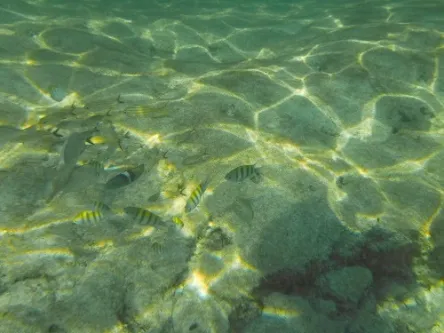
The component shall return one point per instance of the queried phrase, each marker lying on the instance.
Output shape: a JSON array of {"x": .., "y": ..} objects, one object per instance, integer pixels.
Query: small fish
[
  {"x": 196, "y": 196},
  {"x": 74, "y": 146},
  {"x": 109, "y": 134},
  {"x": 59, "y": 181},
  {"x": 196, "y": 159},
  {"x": 89, "y": 217},
  {"x": 95, "y": 140},
  {"x": 125, "y": 178},
  {"x": 100, "y": 206},
  {"x": 142, "y": 216},
  {"x": 98, "y": 211},
  {"x": 146, "y": 110},
  {"x": 57, "y": 93},
  {"x": 243, "y": 172},
  {"x": 56, "y": 131},
  {"x": 178, "y": 221}
]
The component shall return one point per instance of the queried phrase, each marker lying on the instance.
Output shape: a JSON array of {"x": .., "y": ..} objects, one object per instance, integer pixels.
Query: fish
[
  {"x": 111, "y": 138},
  {"x": 151, "y": 111},
  {"x": 125, "y": 178},
  {"x": 178, "y": 221},
  {"x": 249, "y": 171},
  {"x": 143, "y": 216},
  {"x": 57, "y": 93},
  {"x": 89, "y": 217},
  {"x": 100, "y": 206},
  {"x": 196, "y": 159},
  {"x": 98, "y": 212},
  {"x": 74, "y": 146},
  {"x": 95, "y": 140},
  {"x": 56, "y": 131},
  {"x": 195, "y": 197},
  {"x": 61, "y": 177}
]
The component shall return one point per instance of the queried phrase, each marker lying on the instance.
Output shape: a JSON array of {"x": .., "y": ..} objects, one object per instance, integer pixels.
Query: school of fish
[{"x": 101, "y": 132}]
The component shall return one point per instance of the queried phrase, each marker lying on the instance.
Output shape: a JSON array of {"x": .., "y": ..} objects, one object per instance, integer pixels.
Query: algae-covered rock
[
  {"x": 290, "y": 314},
  {"x": 369, "y": 323},
  {"x": 347, "y": 284}
]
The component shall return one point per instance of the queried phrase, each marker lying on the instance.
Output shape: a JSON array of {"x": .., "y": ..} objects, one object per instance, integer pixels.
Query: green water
[{"x": 221, "y": 167}]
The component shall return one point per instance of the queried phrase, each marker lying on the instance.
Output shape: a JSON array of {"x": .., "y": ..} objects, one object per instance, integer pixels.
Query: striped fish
[
  {"x": 89, "y": 217},
  {"x": 196, "y": 196},
  {"x": 249, "y": 171},
  {"x": 100, "y": 206},
  {"x": 178, "y": 221},
  {"x": 99, "y": 209},
  {"x": 124, "y": 178},
  {"x": 97, "y": 166},
  {"x": 142, "y": 216}
]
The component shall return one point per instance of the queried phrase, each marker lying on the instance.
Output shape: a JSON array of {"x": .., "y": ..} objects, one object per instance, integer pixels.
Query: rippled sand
[{"x": 339, "y": 104}]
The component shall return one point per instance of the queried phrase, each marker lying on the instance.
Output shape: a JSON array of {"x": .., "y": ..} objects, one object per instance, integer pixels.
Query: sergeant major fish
[
  {"x": 196, "y": 196},
  {"x": 89, "y": 217},
  {"x": 249, "y": 171},
  {"x": 93, "y": 216},
  {"x": 178, "y": 221},
  {"x": 142, "y": 216}
]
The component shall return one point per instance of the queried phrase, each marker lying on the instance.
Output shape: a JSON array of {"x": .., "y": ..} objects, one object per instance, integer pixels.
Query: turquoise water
[{"x": 218, "y": 166}]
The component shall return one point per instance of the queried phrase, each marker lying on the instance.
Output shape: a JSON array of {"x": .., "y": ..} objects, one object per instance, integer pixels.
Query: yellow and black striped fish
[
  {"x": 125, "y": 178},
  {"x": 178, "y": 221},
  {"x": 89, "y": 217},
  {"x": 93, "y": 216},
  {"x": 196, "y": 196},
  {"x": 142, "y": 216},
  {"x": 249, "y": 171},
  {"x": 100, "y": 206}
]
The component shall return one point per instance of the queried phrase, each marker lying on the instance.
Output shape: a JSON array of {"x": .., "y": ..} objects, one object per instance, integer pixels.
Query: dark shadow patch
[{"x": 387, "y": 255}]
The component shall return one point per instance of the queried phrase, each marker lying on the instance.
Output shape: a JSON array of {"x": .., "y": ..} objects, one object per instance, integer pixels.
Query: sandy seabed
[{"x": 337, "y": 104}]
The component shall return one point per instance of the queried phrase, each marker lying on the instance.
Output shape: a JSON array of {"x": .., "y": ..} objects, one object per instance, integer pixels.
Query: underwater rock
[
  {"x": 347, "y": 284},
  {"x": 368, "y": 323},
  {"x": 243, "y": 208},
  {"x": 216, "y": 239},
  {"x": 297, "y": 316},
  {"x": 243, "y": 313}
]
